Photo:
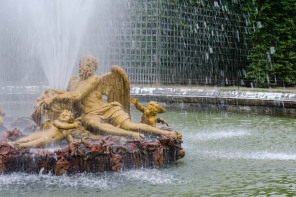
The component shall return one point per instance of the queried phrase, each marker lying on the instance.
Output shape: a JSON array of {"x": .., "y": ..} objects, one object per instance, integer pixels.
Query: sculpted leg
[
  {"x": 129, "y": 125},
  {"x": 32, "y": 137},
  {"x": 94, "y": 137},
  {"x": 94, "y": 122},
  {"x": 35, "y": 143}
]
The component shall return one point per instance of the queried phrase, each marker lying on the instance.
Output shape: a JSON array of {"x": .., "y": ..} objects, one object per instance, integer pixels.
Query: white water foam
[
  {"x": 206, "y": 136},
  {"x": 86, "y": 181},
  {"x": 259, "y": 155},
  {"x": 152, "y": 176},
  {"x": 82, "y": 180}
]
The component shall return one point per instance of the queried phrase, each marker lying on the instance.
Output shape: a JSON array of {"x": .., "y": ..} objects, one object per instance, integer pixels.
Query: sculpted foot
[
  {"x": 18, "y": 146},
  {"x": 175, "y": 134},
  {"x": 138, "y": 136}
]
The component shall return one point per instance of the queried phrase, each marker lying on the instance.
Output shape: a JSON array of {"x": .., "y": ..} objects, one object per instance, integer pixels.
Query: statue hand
[
  {"x": 160, "y": 120},
  {"x": 134, "y": 100},
  {"x": 78, "y": 119},
  {"x": 78, "y": 124},
  {"x": 165, "y": 122}
]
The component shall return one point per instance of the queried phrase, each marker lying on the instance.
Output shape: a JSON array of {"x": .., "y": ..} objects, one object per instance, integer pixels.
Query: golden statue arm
[
  {"x": 162, "y": 121},
  {"x": 62, "y": 125},
  {"x": 82, "y": 90},
  {"x": 137, "y": 105}
]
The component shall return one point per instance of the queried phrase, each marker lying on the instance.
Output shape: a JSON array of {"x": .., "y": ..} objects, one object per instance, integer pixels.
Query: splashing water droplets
[
  {"x": 55, "y": 29},
  {"x": 259, "y": 24}
]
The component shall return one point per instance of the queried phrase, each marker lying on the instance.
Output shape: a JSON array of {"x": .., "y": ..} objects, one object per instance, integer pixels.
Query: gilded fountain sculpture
[
  {"x": 100, "y": 134},
  {"x": 84, "y": 97}
]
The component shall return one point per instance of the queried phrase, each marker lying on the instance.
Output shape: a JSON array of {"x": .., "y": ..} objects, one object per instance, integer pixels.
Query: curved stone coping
[
  {"x": 233, "y": 101},
  {"x": 181, "y": 92},
  {"x": 279, "y": 102}
]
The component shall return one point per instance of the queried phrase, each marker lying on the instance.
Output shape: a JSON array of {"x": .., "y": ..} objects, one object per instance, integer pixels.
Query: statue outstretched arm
[
  {"x": 75, "y": 92},
  {"x": 137, "y": 105},
  {"x": 162, "y": 121}
]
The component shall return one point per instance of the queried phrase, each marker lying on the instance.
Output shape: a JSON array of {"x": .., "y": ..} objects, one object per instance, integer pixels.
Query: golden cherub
[
  {"x": 150, "y": 112},
  {"x": 59, "y": 130}
]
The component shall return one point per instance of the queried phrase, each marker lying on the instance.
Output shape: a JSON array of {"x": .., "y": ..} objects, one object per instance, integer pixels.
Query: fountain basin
[{"x": 107, "y": 154}]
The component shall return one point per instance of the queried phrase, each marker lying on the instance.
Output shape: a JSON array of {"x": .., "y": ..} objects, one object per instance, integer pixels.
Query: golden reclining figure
[{"x": 84, "y": 95}]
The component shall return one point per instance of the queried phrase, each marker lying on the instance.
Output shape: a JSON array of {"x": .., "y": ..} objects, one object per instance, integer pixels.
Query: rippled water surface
[{"x": 226, "y": 154}]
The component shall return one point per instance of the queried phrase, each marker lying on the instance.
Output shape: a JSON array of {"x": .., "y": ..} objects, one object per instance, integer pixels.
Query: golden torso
[
  {"x": 91, "y": 103},
  {"x": 149, "y": 117}
]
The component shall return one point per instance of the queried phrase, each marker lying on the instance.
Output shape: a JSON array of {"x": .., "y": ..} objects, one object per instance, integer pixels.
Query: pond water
[{"x": 226, "y": 154}]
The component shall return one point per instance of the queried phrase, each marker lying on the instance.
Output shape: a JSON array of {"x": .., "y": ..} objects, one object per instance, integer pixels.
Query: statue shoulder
[
  {"x": 72, "y": 82},
  {"x": 94, "y": 80},
  {"x": 95, "y": 77}
]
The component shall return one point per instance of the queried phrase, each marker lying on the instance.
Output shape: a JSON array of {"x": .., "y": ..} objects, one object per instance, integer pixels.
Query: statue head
[
  {"x": 66, "y": 116},
  {"x": 87, "y": 66},
  {"x": 154, "y": 108}
]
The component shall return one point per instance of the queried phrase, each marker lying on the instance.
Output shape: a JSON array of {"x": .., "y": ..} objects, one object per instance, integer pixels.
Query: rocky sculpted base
[{"x": 110, "y": 153}]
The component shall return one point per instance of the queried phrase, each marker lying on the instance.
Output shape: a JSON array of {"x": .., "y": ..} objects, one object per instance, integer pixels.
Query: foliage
[{"x": 273, "y": 41}]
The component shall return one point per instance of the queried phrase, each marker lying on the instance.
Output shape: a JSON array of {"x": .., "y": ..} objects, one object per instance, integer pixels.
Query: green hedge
[{"x": 273, "y": 41}]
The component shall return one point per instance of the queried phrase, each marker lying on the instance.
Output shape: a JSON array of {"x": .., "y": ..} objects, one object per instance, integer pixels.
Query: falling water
[
  {"x": 42, "y": 41},
  {"x": 49, "y": 32},
  {"x": 60, "y": 26}
]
